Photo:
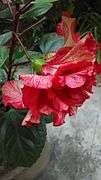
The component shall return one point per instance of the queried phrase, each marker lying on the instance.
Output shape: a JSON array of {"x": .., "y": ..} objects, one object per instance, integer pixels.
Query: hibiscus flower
[{"x": 65, "y": 83}]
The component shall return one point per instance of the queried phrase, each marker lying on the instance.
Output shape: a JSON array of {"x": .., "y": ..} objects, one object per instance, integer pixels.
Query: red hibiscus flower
[{"x": 66, "y": 82}]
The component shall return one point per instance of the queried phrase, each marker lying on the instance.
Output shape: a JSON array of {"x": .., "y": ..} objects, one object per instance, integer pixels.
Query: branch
[
  {"x": 22, "y": 63},
  {"x": 13, "y": 40},
  {"x": 33, "y": 25},
  {"x": 8, "y": 2},
  {"x": 26, "y": 7},
  {"x": 24, "y": 49}
]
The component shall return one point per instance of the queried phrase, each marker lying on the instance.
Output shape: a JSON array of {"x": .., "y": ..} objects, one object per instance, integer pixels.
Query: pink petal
[
  {"x": 37, "y": 81},
  {"x": 12, "y": 95},
  {"x": 74, "y": 80}
]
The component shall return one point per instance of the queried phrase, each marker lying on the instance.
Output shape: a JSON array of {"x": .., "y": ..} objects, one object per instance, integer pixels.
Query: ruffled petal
[
  {"x": 59, "y": 118},
  {"x": 32, "y": 98},
  {"x": 12, "y": 95},
  {"x": 66, "y": 60},
  {"x": 29, "y": 120},
  {"x": 55, "y": 102},
  {"x": 46, "y": 110},
  {"x": 37, "y": 81}
]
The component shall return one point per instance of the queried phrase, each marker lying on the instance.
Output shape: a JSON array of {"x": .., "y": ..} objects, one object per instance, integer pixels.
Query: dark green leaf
[
  {"x": 99, "y": 56},
  {"x": 2, "y": 76},
  {"x": 20, "y": 146},
  {"x": 4, "y": 52},
  {"x": 38, "y": 10},
  {"x": 4, "y": 38},
  {"x": 5, "y": 13}
]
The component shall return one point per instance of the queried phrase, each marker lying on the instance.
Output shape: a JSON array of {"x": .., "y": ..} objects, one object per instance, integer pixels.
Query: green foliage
[
  {"x": 4, "y": 52},
  {"x": 37, "y": 10},
  {"x": 3, "y": 76},
  {"x": 37, "y": 62},
  {"x": 48, "y": 119},
  {"x": 99, "y": 56},
  {"x": 51, "y": 42},
  {"x": 20, "y": 146},
  {"x": 5, "y": 13},
  {"x": 4, "y": 38},
  {"x": 89, "y": 19}
]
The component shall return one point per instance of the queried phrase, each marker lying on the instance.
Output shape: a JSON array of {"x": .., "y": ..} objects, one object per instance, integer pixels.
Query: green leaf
[
  {"x": 4, "y": 52},
  {"x": 37, "y": 63},
  {"x": 51, "y": 42},
  {"x": 45, "y": 1},
  {"x": 4, "y": 38},
  {"x": 5, "y": 13},
  {"x": 47, "y": 119},
  {"x": 99, "y": 56},
  {"x": 2, "y": 76},
  {"x": 19, "y": 1},
  {"x": 18, "y": 54},
  {"x": 38, "y": 10},
  {"x": 20, "y": 146}
]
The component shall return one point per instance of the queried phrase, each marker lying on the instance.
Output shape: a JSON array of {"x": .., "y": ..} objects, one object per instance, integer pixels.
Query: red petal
[
  {"x": 98, "y": 68},
  {"x": 46, "y": 110},
  {"x": 55, "y": 102},
  {"x": 37, "y": 81},
  {"x": 59, "y": 118},
  {"x": 29, "y": 120},
  {"x": 72, "y": 110},
  {"x": 75, "y": 59},
  {"x": 12, "y": 95},
  {"x": 90, "y": 42},
  {"x": 32, "y": 99}
]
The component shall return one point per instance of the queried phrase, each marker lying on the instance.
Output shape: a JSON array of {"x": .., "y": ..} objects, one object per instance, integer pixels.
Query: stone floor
[{"x": 76, "y": 146}]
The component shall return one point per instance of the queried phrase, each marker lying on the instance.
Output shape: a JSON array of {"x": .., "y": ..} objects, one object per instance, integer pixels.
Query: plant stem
[
  {"x": 9, "y": 7},
  {"x": 13, "y": 40},
  {"x": 33, "y": 25},
  {"x": 24, "y": 49},
  {"x": 21, "y": 63},
  {"x": 26, "y": 7}
]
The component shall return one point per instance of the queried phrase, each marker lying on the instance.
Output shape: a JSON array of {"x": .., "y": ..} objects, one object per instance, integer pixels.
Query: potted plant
[
  {"x": 21, "y": 21},
  {"x": 40, "y": 83}
]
